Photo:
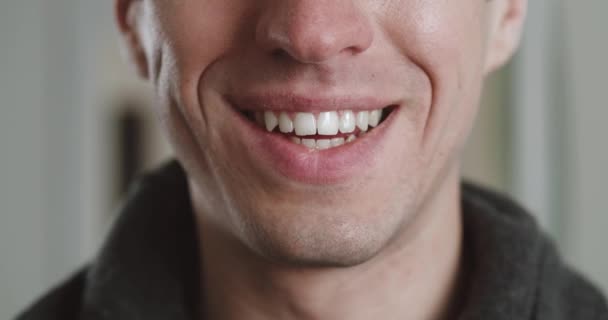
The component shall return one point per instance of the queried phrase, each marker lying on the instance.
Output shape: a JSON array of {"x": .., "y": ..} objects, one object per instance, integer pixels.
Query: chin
[
  {"x": 325, "y": 251},
  {"x": 344, "y": 240}
]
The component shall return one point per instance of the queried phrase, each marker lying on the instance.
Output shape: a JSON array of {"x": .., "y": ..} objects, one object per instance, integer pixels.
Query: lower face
[{"x": 316, "y": 163}]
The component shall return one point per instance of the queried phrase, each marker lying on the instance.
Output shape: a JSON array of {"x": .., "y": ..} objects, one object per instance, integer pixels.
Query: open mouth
[{"x": 321, "y": 130}]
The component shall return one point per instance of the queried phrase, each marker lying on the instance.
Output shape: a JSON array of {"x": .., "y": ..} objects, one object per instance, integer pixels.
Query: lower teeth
[{"x": 322, "y": 144}]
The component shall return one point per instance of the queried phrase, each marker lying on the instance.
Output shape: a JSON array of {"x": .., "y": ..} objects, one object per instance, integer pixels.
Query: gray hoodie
[{"x": 148, "y": 268}]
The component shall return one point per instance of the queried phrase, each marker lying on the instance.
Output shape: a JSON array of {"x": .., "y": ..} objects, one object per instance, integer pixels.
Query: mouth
[
  {"x": 314, "y": 141},
  {"x": 319, "y": 130}
]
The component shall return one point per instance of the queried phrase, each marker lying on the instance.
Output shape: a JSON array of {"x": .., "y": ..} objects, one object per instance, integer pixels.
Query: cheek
[
  {"x": 189, "y": 37},
  {"x": 445, "y": 40},
  {"x": 192, "y": 36}
]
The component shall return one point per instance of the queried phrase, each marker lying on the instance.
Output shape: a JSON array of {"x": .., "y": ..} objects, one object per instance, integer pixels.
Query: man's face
[{"x": 220, "y": 66}]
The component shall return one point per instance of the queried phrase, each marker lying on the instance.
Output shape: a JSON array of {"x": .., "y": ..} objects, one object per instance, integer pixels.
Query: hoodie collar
[{"x": 148, "y": 268}]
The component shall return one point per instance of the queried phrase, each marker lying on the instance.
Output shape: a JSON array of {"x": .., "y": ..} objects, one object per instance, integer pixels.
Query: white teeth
[
  {"x": 323, "y": 144},
  {"x": 363, "y": 120},
  {"x": 285, "y": 124},
  {"x": 336, "y": 142},
  {"x": 310, "y": 143},
  {"x": 328, "y": 123},
  {"x": 305, "y": 124},
  {"x": 347, "y": 122},
  {"x": 270, "y": 120},
  {"x": 374, "y": 117}
]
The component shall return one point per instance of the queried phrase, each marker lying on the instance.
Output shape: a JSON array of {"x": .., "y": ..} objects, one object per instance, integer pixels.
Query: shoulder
[
  {"x": 518, "y": 265},
  {"x": 148, "y": 233},
  {"x": 564, "y": 293},
  {"x": 63, "y": 302}
]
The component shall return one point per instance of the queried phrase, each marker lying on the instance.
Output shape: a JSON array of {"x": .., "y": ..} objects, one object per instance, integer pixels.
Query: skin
[{"x": 382, "y": 244}]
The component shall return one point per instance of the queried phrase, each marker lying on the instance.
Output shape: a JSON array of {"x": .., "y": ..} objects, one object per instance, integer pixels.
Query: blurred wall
[
  {"x": 22, "y": 154},
  {"x": 41, "y": 85},
  {"x": 558, "y": 153},
  {"x": 585, "y": 222},
  {"x": 486, "y": 155}
]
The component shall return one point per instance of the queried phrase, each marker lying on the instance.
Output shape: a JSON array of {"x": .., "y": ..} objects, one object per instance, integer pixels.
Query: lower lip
[{"x": 296, "y": 162}]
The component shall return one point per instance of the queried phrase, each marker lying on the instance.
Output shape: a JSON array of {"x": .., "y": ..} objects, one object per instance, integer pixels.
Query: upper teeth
[{"x": 324, "y": 123}]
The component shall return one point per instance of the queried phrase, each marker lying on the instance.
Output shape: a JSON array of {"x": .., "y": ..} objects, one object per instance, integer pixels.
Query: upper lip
[{"x": 290, "y": 102}]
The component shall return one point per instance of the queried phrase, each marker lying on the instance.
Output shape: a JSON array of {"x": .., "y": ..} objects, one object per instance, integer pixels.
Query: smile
[
  {"x": 322, "y": 130},
  {"x": 312, "y": 140}
]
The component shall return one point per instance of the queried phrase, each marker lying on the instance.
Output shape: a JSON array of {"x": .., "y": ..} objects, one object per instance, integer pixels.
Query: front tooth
[
  {"x": 336, "y": 142},
  {"x": 310, "y": 143},
  {"x": 347, "y": 122},
  {"x": 374, "y": 117},
  {"x": 328, "y": 123},
  {"x": 271, "y": 120},
  {"x": 351, "y": 138},
  {"x": 285, "y": 124},
  {"x": 363, "y": 120},
  {"x": 305, "y": 124},
  {"x": 296, "y": 140},
  {"x": 323, "y": 144}
]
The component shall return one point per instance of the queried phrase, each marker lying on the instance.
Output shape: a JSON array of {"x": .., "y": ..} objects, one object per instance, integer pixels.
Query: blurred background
[{"x": 75, "y": 126}]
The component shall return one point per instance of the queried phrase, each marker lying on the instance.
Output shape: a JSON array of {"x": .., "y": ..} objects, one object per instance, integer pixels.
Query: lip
[
  {"x": 290, "y": 102},
  {"x": 274, "y": 153}
]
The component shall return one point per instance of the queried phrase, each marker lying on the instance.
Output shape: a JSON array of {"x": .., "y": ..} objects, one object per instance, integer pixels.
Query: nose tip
[{"x": 313, "y": 31}]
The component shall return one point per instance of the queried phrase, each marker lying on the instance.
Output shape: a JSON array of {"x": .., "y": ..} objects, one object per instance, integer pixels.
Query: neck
[{"x": 414, "y": 277}]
